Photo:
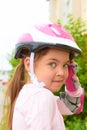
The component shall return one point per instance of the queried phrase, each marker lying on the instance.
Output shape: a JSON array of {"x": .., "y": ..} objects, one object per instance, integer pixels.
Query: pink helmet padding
[{"x": 25, "y": 38}]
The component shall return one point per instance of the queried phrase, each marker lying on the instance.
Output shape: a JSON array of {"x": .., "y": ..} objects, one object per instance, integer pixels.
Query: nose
[{"x": 60, "y": 72}]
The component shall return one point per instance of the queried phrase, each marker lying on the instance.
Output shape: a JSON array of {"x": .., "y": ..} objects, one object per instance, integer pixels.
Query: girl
[{"x": 46, "y": 55}]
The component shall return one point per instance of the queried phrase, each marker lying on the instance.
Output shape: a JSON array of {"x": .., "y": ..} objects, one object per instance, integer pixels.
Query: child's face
[{"x": 52, "y": 69}]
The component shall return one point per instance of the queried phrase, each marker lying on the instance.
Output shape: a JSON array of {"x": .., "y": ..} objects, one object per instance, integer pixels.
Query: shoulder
[
  {"x": 30, "y": 94},
  {"x": 38, "y": 100},
  {"x": 31, "y": 90},
  {"x": 41, "y": 101}
]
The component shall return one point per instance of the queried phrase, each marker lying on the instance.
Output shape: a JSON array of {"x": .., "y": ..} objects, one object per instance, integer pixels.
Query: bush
[{"x": 76, "y": 124}]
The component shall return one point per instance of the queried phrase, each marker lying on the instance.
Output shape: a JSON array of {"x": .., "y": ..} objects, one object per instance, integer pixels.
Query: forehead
[{"x": 57, "y": 54}]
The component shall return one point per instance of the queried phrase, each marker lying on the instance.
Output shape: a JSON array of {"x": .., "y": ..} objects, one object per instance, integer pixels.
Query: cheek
[{"x": 44, "y": 76}]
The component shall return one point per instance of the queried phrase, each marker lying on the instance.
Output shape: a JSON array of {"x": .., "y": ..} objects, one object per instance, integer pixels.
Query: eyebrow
[{"x": 68, "y": 61}]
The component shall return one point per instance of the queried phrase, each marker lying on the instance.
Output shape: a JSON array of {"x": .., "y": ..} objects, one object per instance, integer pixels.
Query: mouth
[{"x": 58, "y": 81}]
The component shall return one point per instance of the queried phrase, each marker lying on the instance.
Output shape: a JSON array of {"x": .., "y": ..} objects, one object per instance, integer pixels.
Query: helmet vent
[{"x": 55, "y": 31}]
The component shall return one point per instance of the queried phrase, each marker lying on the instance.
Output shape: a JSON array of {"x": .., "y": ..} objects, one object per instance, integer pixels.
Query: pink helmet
[{"x": 46, "y": 35}]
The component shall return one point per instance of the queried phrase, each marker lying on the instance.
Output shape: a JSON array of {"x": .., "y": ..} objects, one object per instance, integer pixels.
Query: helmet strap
[
  {"x": 32, "y": 62},
  {"x": 33, "y": 77}
]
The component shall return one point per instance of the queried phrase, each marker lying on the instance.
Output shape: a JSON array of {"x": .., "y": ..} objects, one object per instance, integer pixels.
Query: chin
[{"x": 56, "y": 89}]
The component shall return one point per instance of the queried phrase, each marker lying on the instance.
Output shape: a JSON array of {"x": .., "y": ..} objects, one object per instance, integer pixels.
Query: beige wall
[
  {"x": 59, "y": 9},
  {"x": 79, "y": 9}
]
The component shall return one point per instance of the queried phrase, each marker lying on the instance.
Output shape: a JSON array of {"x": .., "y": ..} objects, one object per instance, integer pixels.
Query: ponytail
[
  {"x": 17, "y": 82},
  {"x": 14, "y": 87}
]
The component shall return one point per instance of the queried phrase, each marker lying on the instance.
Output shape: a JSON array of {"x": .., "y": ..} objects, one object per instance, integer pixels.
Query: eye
[
  {"x": 52, "y": 64},
  {"x": 66, "y": 65}
]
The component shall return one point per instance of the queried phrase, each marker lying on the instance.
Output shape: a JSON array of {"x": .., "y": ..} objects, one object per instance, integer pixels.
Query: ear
[{"x": 27, "y": 64}]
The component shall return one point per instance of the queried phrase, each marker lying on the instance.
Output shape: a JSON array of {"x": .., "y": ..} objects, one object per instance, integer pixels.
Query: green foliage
[
  {"x": 79, "y": 31},
  {"x": 2, "y": 126},
  {"x": 76, "y": 124}
]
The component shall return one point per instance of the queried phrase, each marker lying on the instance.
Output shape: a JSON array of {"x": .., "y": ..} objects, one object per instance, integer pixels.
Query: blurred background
[{"x": 16, "y": 16}]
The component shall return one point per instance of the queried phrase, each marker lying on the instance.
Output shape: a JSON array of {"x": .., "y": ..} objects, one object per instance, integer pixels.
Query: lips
[{"x": 58, "y": 81}]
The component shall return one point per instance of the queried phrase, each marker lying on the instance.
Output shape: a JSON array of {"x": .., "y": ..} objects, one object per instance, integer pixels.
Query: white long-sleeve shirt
[{"x": 36, "y": 108}]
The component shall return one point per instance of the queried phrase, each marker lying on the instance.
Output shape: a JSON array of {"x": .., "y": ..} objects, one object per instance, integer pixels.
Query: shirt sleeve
[{"x": 40, "y": 111}]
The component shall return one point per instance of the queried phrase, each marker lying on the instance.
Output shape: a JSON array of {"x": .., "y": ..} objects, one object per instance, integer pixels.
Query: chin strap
[{"x": 33, "y": 77}]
